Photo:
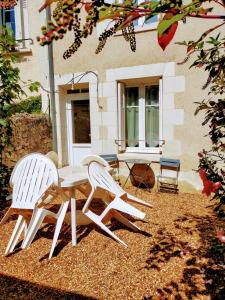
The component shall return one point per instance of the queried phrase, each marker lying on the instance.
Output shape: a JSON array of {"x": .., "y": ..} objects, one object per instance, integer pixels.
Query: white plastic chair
[
  {"x": 30, "y": 179},
  {"x": 100, "y": 178},
  {"x": 54, "y": 157}
]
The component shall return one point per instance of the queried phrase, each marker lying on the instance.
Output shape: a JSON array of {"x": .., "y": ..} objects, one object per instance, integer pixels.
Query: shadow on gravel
[
  {"x": 205, "y": 264},
  {"x": 14, "y": 288}
]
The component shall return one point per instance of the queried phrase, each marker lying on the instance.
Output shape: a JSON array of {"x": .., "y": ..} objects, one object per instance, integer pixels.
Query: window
[
  {"x": 141, "y": 24},
  {"x": 16, "y": 18},
  {"x": 142, "y": 117},
  {"x": 145, "y": 22},
  {"x": 8, "y": 19}
]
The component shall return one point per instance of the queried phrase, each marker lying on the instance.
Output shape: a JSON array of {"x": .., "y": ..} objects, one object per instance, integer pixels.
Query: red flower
[
  {"x": 208, "y": 186},
  {"x": 220, "y": 235}
]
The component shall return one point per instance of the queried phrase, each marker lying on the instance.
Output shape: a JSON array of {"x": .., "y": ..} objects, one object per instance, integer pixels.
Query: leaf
[
  {"x": 168, "y": 20},
  {"x": 194, "y": 44},
  {"x": 3, "y": 122},
  {"x": 166, "y": 37},
  {"x": 34, "y": 86},
  {"x": 129, "y": 19}
]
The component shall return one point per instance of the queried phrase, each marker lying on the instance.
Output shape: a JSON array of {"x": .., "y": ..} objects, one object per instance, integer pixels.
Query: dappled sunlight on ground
[{"x": 172, "y": 257}]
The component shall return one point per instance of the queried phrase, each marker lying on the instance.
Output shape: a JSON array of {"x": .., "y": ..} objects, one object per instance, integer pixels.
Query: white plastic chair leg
[
  {"x": 6, "y": 216},
  {"x": 96, "y": 219},
  {"x": 88, "y": 200},
  {"x": 134, "y": 199},
  {"x": 20, "y": 230},
  {"x": 73, "y": 220},
  {"x": 122, "y": 206},
  {"x": 33, "y": 228},
  {"x": 125, "y": 221},
  {"x": 35, "y": 223},
  {"x": 14, "y": 235},
  {"x": 59, "y": 223}
]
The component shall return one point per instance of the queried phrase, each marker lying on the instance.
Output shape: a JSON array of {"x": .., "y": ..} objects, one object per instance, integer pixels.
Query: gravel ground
[{"x": 168, "y": 259}]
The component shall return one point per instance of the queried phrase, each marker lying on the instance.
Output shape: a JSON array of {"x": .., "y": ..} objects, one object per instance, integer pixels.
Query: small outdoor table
[
  {"x": 130, "y": 163},
  {"x": 71, "y": 178}
]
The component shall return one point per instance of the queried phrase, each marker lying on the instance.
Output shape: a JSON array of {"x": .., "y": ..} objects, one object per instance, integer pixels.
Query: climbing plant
[
  {"x": 210, "y": 56},
  {"x": 10, "y": 90}
]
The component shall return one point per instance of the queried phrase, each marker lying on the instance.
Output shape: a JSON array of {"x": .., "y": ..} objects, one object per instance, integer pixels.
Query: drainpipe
[{"x": 52, "y": 86}]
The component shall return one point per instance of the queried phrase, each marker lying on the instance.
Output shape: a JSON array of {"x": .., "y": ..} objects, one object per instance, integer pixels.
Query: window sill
[
  {"x": 140, "y": 29},
  {"x": 145, "y": 151},
  {"x": 22, "y": 51},
  {"x": 153, "y": 157}
]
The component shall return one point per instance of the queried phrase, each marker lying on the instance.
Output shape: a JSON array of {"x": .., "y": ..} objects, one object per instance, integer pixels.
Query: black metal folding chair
[
  {"x": 168, "y": 183},
  {"x": 113, "y": 161}
]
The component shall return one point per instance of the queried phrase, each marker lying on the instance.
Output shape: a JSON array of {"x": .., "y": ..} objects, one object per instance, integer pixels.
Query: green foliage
[
  {"x": 5, "y": 173},
  {"x": 10, "y": 90},
  {"x": 30, "y": 105},
  {"x": 82, "y": 17},
  {"x": 213, "y": 61},
  {"x": 7, "y": 41}
]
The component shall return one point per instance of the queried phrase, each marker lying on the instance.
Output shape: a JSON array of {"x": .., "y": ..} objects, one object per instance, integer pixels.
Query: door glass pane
[
  {"x": 132, "y": 117},
  {"x": 151, "y": 116},
  {"x": 81, "y": 122}
]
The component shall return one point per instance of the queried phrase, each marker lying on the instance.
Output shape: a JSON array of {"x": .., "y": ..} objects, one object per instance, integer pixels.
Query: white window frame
[
  {"x": 142, "y": 141},
  {"x": 70, "y": 126},
  {"x": 141, "y": 22},
  {"x": 22, "y": 25}
]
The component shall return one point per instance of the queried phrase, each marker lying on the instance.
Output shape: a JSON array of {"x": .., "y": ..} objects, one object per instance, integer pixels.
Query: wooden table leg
[{"x": 73, "y": 219}]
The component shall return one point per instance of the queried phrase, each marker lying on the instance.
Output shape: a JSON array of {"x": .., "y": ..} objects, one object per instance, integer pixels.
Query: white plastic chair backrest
[
  {"x": 54, "y": 157},
  {"x": 89, "y": 158},
  {"x": 99, "y": 176},
  {"x": 31, "y": 177}
]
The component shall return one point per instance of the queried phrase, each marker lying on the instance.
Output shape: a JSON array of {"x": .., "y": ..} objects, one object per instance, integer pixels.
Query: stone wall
[{"x": 30, "y": 133}]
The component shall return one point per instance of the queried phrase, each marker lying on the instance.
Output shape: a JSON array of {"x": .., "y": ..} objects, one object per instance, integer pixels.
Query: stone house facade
[{"x": 137, "y": 104}]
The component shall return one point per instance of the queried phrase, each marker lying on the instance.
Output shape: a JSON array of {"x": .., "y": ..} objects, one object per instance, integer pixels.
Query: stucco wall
[
  {"x": 32, "y": 62},
  {"x": 187, "y": 133}
]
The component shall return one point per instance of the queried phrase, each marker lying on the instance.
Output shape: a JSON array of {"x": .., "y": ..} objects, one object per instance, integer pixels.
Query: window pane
[
  {"x": 8, "y": 19},
  {"x": 81, "y": 122},
  {"x": 132, "y": 116},
  {"x": 152, "y": 116},
  {"x": 132, "y": 95},
  {"x": 152, "y": 95},
  {"x": 151, "y": 20},
  {"x": 151, "y": 126},
  {"x": 132, "y": 126}
]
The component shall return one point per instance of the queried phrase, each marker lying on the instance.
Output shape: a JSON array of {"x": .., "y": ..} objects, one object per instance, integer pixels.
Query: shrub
[{"x": 30, "y": 105}]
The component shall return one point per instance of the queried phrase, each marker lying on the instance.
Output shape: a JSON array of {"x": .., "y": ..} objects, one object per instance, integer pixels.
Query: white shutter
[
  {"x": 25, "y": 24},
  {"x": 121, "y": 117},
  {"x": 18, "y": 22}
]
